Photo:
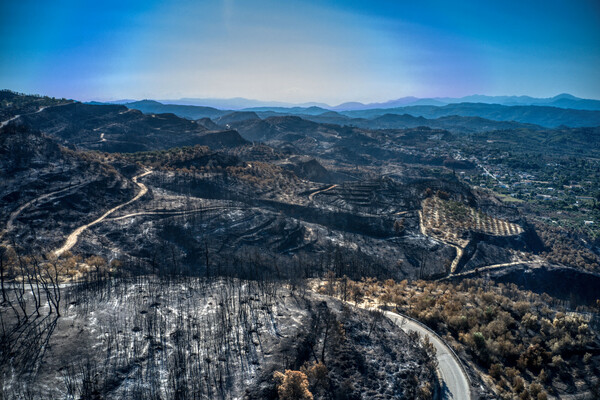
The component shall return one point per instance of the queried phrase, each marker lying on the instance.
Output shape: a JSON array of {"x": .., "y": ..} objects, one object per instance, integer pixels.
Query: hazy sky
[{"x": 287, "y": 50}]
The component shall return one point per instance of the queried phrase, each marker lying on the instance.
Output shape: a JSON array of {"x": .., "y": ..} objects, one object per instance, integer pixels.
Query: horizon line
[{"x": 299, "y": 103}]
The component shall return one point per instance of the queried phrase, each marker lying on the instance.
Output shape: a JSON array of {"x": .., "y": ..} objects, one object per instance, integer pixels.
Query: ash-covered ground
[{"x": 168, "y": 338}]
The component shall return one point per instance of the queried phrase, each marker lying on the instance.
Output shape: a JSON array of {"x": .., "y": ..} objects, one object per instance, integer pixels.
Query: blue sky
[{"x": 297, "y": 51}]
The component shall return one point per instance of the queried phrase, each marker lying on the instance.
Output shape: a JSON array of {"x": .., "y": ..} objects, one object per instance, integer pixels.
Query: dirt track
[
  {"x": 72, "y": 238},
  {"x": 15, "y": 214}
]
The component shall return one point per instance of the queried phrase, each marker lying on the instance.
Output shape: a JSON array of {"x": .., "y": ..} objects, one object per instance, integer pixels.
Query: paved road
[
  {"x": 453, "y": 379},
  {"x": 72, "y": 239},
  {"x": 455, "y": 384},
  {"x": 488, "y": 173}
]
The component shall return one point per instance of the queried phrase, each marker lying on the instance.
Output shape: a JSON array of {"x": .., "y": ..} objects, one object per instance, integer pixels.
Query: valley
[{"x": 159, "y": 244}]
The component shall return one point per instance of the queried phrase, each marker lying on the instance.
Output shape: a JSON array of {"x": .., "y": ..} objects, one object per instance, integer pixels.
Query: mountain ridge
[
  {"x": 562, "y": 100},
  {"x": 542, "y": 115}
]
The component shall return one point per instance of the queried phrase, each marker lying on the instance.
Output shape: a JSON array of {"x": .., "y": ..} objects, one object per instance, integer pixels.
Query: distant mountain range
[
  {"x": 236, "y": 103},
  {"x": 560, "y": 101},
  {"x": 185, "y": 111},
  {"x": 465, "y": 116},
  {"x": 546, "y": 116}
]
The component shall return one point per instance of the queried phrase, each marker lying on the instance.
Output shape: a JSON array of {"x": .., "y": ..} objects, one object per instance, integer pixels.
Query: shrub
[
  {"x": 557, "y": 361},
  {"x": 293, "y": 385},
  {"x": 317, "y": 376},
  {"x": 425, "y": 392},
  {"x": 518, "y": 384},
  {"x": 496, "y": 371},
  {"x": 479, "y": 340}
]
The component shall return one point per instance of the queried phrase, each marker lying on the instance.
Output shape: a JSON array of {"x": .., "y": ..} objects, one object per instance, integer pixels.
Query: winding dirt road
[
  {"x": 15, "y": 214},
  {"x": 312, "y": 195},
  {"x": 459, "y": 254},
  {"x": 459, "y": 250},
  {"x": 4, "y": 123},
  {"x": 72, "y": 239},
  {"x": 487, "y": 268}
]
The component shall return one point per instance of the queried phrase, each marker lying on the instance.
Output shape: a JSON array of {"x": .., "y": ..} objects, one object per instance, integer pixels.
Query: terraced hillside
[
  {"x": 450, "y": 221},
  {"x": 462, "y": 227}
]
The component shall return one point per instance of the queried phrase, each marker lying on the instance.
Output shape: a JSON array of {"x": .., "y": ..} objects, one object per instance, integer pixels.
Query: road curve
[
  {"x": 72, "y": 238},
  {"x": 4, "y": 123},
  {"x": 312, "y": 195},
  {"x": 459, "y": 250},
  {"x": 487, "y": 268},
  {"x": 454, "y": 381},
  {"x": 453, "y": 378},
  {"x": 15, "y": 214}
]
